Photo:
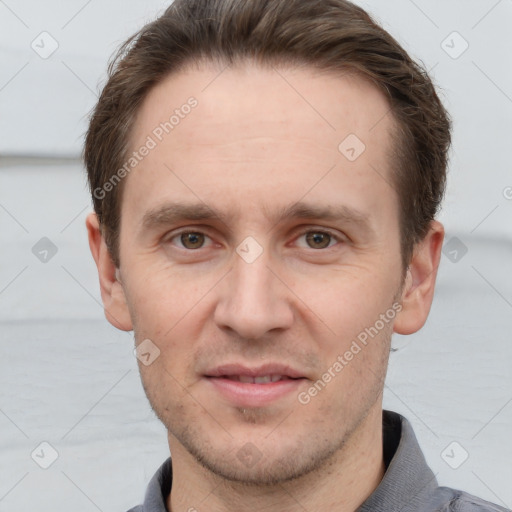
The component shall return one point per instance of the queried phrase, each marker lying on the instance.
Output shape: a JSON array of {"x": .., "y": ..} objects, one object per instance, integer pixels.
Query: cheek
[
  {"x": 170, "y": 309},
  {"x": 348, "y": 299},
  {"x": 354, "y": 368},
  {"x": 171, "y": 373},
  {"x": 161, "y": 296},
  {"x": 352, "y": 337}
]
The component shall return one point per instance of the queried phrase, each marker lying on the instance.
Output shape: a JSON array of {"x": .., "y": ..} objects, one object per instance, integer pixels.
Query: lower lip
[{"x": 246, "y": 394}]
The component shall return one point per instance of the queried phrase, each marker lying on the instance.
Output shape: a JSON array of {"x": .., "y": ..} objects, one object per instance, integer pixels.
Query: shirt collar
[
  {"x": 408, "y": 479},
  {"x": 158, "y": 489}
]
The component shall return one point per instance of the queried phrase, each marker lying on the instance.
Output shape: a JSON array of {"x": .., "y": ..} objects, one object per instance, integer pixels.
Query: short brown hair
[{"x": 328, "y": 35}]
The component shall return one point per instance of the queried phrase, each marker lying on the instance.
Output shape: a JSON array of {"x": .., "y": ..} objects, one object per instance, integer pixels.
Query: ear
[
  {"x": 420, "y": 281},
  {"x": 112, "y": 291}
]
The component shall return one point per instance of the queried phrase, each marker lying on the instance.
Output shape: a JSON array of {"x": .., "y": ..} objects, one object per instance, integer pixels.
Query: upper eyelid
[{"x": 320, "y": 229}]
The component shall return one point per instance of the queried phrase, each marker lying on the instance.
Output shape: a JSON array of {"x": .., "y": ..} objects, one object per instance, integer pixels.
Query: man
[{"x": 265, "y": 178}]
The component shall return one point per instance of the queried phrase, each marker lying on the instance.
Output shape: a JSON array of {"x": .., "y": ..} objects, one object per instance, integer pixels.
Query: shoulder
[
  {"x": 138, "y": 508},
  {"x": 453, "y": 500}
]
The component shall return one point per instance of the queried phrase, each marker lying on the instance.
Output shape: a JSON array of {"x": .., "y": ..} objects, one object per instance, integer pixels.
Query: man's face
[{"x": 251, "y": 245}]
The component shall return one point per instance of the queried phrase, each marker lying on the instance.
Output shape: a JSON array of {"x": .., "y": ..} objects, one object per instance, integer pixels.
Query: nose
[{"x": 253, "y": 300}]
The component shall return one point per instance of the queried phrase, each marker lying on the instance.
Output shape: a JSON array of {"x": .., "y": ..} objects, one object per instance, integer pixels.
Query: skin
[{"x": 259, "y": 141}]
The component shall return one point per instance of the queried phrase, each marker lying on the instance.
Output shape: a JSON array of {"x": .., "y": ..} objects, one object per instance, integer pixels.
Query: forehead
[
  {"x": 249, "y": 131},
  {"x": 257, "y": 98}
]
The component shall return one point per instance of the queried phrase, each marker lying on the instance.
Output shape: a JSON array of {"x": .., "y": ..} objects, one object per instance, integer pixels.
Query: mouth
[
  {"x": 243, "y": 386},
  {"x": 263, "y": 379}
]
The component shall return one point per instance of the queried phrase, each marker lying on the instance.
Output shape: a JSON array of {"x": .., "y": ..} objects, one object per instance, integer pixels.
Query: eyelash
[{"x": 323, "y": 231}]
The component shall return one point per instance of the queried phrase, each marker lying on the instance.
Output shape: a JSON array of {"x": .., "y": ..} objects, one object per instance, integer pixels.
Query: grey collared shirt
[{"x": 408, "y": 484}]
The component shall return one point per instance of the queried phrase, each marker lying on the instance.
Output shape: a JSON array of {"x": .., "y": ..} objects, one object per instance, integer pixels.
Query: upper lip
[{"x": 259, "y": 371}]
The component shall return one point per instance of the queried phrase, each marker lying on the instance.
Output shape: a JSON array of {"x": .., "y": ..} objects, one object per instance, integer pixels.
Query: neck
[{"x": 342, "y": 484}]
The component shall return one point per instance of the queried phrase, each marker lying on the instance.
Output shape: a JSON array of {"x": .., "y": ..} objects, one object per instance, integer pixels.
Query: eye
[
  {"x": 318, "y": 239},
  {"x": 190, "y": 239}
]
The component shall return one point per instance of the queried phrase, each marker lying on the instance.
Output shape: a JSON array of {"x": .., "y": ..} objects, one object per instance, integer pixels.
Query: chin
[{"x": 261, "y": 463}]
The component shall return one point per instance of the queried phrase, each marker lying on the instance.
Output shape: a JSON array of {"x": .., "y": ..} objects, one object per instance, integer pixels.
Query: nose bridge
[
  {"x": 253, "y": 301},
  {"x": 252, "y": 290},
  {"x": 253, "y": 279}
]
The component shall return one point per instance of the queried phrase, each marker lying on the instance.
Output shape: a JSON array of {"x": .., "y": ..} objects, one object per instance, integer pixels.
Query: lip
[{"x": 244, "y": 394}]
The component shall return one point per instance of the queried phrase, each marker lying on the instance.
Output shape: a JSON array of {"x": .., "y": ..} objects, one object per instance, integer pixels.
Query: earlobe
[
  {"x": 112, "y": 291},
  {"x": 418, "y": 290}
]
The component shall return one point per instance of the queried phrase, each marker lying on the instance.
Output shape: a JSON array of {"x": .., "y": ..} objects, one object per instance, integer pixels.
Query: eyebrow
[{"x": 172, "y": 213}]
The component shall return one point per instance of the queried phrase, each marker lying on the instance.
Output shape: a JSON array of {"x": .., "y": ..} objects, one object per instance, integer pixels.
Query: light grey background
[{"x": 70, "y": 379}]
